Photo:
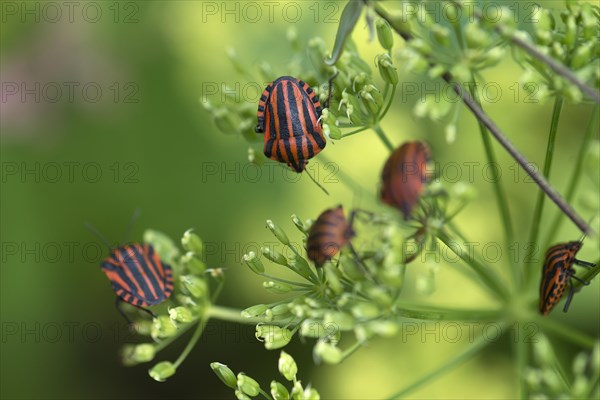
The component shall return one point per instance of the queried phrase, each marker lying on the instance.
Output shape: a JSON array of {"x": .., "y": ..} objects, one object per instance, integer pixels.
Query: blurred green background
[{"x": 132, "y": 134}]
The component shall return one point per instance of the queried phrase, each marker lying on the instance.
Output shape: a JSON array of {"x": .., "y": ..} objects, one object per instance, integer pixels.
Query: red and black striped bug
[
  {"x": 328, "y": 234},
  {"x": 288, "y": 115},
  {"x": 404, "y": 176},
  {"x": 137, "y": 275},
  {"x": 557, "y": 273}
]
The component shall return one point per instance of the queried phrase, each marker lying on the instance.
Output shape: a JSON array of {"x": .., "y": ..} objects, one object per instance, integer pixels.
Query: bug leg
[
  {"x": 569, "y": 297},
  {"x": 146, "y": 311},
  {"x": 329, "y": 87},
  {"x": 584, "y": 263},
  {"x": 580, "y": 280},
  {"x": 359, "y": 262},
  {"x": 120, "y": 310}
]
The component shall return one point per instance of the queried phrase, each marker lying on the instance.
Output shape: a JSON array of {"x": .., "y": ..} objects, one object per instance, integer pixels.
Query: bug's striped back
[
  {"x": 404, "y": 176},
  {"x": 328, "y": 234},
  {"x": 288, "y": 114},
  {"x": 138, "y": 276},
  {"x": 556, "y": 272}
]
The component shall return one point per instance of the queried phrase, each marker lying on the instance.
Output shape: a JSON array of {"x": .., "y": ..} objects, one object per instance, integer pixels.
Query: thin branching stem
[
  {"x": 539, "y": 205},
  {"x": 381, "y": 134},
  {"x": 496, "y": 132}
]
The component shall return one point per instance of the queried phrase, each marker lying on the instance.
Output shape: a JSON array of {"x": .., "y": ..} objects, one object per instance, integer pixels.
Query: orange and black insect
[
  {"x": 557, "y": 273},
  {"x": 328, "y": 234},
  {"x": 138, "y": 276},
  {"x": 288, "y": 115},
  {"x": 404, "y": 176}
]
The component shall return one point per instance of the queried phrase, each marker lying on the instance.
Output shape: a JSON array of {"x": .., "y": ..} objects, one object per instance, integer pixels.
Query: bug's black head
[{"x": 574, "y": 246}]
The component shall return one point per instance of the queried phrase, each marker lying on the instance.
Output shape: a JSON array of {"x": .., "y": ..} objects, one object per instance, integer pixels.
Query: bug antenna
[
  {"x": 136, "y": 215},
  {"x": 99, "y": 235},
  {"x": 316, "y": 183}
]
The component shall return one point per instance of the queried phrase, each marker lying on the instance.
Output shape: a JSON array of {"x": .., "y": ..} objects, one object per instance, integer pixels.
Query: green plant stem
[
  {"x": 576, "y": 175},
  {"x": 381, "y": 134},
  {"x": 495, "y": 131},
  {"x": 354, "y": 132},
  {"x": 486, "y": 277},
  {"x": 181, "y": 330},
  {"x": 349, "y": 351},
  {"x": 430, "y": 313},
  {"x": 539, "y": 206},
  {"x": 520, "y": 348},
  {"x": 234, "y": 315},
  {"x": 389, "y": 104},
  {"x": 450, "y": 365},
  {"x": 294, "y": 283},
  {"x": 530, "y": 48},
  {"x": 572, "y": 335},
  {"x": 501, "y": 199},
  {"x": 587, "y": 275},
  {"x": 192, "y": 342},
  {"x": 265, "y": 394}
]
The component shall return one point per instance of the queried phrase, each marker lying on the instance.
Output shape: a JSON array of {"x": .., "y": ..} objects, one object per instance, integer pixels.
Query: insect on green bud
[
  {"x": 287, "y": 366},
  {"x": 384, "y": 34},
  {"x": 278, "y": 232},
  {"x": 224, "y": 374},
  {"x": 278, "y": 391},
  {"x": 181, "y": 314},
  {"x": 162, "y": 371},
  {"x": 254, "y": 263},
  {"x": 192, "y": 242},
  {"x": 247, "y": 385}
]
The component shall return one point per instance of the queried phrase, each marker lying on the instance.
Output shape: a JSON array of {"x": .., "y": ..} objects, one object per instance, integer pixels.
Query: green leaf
[{"x": 347, "y": 21}]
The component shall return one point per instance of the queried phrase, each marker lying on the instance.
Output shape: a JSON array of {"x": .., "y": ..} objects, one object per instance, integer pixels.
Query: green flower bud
[
  {"x": 582, "y": 55},
  {"x": 461, "y": 72},
  {"x": 299, "y": 265},
  {"x": 278, "y": 232},
  {"x": 297, "y": 391},
  {"x": 365, "y": 310},
  {"x": 384, "y": 328},
  {"x": 192, "y": 264},
  {"x": 542, "y": 351},
  {"x": 181, "y": 315},
  {"x": 441, "y": 35},
  {"x": 135, "y": 354},
  {"x": 269, "y": 315},
  {"x": 588, "y": 22},
  {"x": 332, "y": 279},
  {"x": 224, "y": 374},
  {"x": 163, "y": 245},
  {"x": 277, "y": 287},
  {"x": 476, "y": 37},
  {"x": 580, "y": 363},
  {"x": 254, "y": 263},
  {"x": 247, "y": 385},
  {"x": 311, "y": 394},
  {"x": 254, "y": 311},
  {"x": 380, "y": 296},
  {"x": 287, "y": 366},
  {"x": 162, "y": 371},
  {"x": 278, "y": 391},
  {"x": 273, "y": 336},
  {"x": 421, "y": 47},
  {"x": 313, "y": 328},
  {"x": 450, "y": 133},
  {"x": 299, "y": 224},
  {"x": 226, "y": 121},
  {"x": 332, "y": 132},
  {"x": 192, "y": 242},
  {"x": 551, "y": 379},
  {"x": 241, "y": 396},
  {"x": 436, "y": 71},
  {"x": 384, "y": 34},
  {"x": 193, "y": 285},
  {"x": 369, "y": 102},
  {"x": 280, "y": 309},
  {"x": 274, "y": 256},
  {"x": 327, "y": 353},
  {"x": 162, "y": 327},
  {"x": 350, "y": 268},
  {"x": 317, "y": 51},
  {"x": 143, "y": 327},
  {"x": 340, "y": 320},
  {"x": 387, "y": 71},
  {"x": 571, "y": 31}
]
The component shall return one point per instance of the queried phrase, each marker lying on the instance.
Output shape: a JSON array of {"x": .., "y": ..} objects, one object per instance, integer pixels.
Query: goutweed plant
[{"x": 357, "y": 296}]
